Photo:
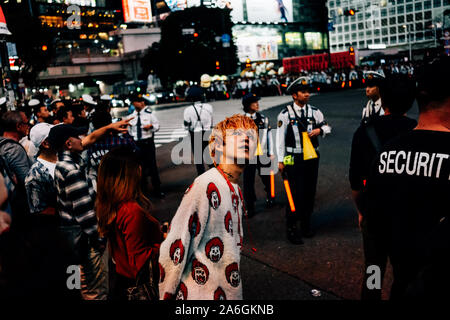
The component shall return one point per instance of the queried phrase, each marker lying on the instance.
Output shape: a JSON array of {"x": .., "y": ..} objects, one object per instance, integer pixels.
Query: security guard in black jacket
[
  {"x": 264, "y": 155},
  {"x": 299, "y": 126}
]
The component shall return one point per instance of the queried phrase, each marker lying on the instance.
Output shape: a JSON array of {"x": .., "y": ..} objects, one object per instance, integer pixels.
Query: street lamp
[{"x": 407, "y": 29}]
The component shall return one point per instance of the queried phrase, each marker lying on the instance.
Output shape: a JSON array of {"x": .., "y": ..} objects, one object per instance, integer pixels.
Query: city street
[{"x": 332, "y": 261}]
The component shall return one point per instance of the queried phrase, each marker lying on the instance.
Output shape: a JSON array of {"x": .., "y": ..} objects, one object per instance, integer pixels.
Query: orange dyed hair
[{"x": 218, "y": 134}]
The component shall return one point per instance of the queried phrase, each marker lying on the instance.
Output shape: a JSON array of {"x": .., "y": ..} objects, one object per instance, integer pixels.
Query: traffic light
[
  {"x": 349, "y": 12},
  {"x": 248, "y": 63},
  {"x": 351, "y": 51},
  {"x": 217, "y": 65},
  {"x": 44, "y": 48}
]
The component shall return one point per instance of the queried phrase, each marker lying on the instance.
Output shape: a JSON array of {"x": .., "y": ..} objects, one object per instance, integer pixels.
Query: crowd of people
[
  {"x": 277, "y": 84},
  {"x": 74, "y": 191}
]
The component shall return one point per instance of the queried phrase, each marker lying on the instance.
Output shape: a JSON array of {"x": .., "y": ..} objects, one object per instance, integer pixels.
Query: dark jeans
[
  {"x": 249, "y": 183},
  {"x": 199, "y": 157},
  {"x": 302, "y": 177},
  {"x": 374, "y": 254},
  {"x": 148, "y": 160}
]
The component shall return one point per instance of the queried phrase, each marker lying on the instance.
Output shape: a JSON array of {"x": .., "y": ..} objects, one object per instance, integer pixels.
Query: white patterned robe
[{"x": 200, "y": 259}]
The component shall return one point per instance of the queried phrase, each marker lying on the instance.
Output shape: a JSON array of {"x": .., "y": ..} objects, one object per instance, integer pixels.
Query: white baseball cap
[
  {"x": 106, "y": 97},
  {"x": 88, "y": 99},
  {"x": 34, "y": 102},
  {"x": 39, "y": 133}
]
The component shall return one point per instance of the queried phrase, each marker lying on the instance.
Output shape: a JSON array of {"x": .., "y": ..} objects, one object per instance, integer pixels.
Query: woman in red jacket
[{"x": 134, "y": 236}]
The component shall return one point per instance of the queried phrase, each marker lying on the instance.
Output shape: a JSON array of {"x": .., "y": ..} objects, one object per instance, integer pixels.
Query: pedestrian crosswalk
[
  {"x": 169, "y": 133},
  {"x": 171, "y": 119}
]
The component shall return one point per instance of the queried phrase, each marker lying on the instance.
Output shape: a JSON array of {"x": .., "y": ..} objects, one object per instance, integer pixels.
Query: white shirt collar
[{"x": 49, "y": 165}]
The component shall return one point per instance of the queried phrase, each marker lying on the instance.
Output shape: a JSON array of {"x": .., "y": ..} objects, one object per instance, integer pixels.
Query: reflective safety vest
[
  {"x": 262, "y": 122},
  {"x": 293, "y": 140}
]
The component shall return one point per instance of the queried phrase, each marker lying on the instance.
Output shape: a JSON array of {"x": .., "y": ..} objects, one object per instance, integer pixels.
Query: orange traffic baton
[
  {"x": 272, "y": 184},
  {"x": 289, "y": 193}
]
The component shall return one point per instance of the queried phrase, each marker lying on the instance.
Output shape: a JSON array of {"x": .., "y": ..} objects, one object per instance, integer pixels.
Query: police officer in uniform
[
  {"x": 142, "y": 128},
  {"x": 302, "y": 174},
  {"x": 373, "y": 109},
  {"x": 264, "y": 155},
  {"x": 198, "y": 120}
]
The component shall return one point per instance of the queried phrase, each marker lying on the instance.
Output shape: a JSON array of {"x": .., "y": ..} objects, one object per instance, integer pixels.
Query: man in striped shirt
[{"x": 75, "y": 204}]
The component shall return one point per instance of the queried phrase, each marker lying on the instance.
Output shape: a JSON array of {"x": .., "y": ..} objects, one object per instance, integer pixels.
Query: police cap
[
  {"x": 136, "y": 97},
  {"x": 300, "y": 84},
  {"x": 249, "y": 98},
  {"x": 195, "y": 93},
  {"x": 374, "y": 79}
]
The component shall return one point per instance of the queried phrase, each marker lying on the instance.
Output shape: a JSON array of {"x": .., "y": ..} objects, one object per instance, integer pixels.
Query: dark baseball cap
[
  {"x": 249, "y": 98},
  {"x": 195, "y": 93},
  {"x": 59, "y": 134}
]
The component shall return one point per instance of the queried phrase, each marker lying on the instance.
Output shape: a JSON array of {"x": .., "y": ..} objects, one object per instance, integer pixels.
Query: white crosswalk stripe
[{"x": 169, "y": 133}]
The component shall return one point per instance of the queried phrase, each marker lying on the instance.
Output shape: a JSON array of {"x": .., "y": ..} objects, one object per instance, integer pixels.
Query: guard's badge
[{"x": 280, "y": 123}]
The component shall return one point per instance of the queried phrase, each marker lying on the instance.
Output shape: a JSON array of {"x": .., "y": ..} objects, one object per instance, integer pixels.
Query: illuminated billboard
[
  {"x": 257, "y": 44},
  {"x": 137, "y": 11},
  {"x": 269, "y": 11},
  {"x": 176, "y": 5}
]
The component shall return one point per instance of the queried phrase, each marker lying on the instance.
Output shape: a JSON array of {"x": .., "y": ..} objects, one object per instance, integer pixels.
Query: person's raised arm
[{"x": 120, "y": 127}]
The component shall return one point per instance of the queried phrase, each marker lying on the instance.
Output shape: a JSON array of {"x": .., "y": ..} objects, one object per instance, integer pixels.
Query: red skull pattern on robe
[
  {"x": 168, "y": 296},
  {"x": 213, "y": 196},
  {"x": 214, "y": 249},
  {"x": 194, "y": 225},
  {"x": 200, "y": 272},
  {"x": 162, "y": 273},
  {"x": 219, "y": 294},
  {"x": 177, "y": 252},
  {"x": 228, "y": 223},
  {"x": 232, "y": 274},
  {"x": 235, "y": 201},
  {"x": 182, "y": 292}
]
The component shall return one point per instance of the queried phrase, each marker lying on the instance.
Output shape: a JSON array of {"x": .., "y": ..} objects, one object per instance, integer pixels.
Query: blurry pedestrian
[
  {"x": 124, "y": 218},
  {"x": 200, "y": 258},
  {"x": 15, "y": 159},
  {"x": 264, "y": 155},
  {"x": 65, "y": 115},
  {"x": 142, "y": 128},
  {"x": 49, "y": 271},
  {"x": 89, "y": 105},
  {"x": 373, "y": 109},
  {"x": 198, "y": 120},
  {"x": 40, "y": 111}
]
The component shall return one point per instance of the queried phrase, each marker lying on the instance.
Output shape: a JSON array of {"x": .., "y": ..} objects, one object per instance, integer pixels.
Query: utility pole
[{"x": 408, "y": 31}]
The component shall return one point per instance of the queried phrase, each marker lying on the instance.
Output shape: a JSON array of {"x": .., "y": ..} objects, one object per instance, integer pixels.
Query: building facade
[{"x": 393, "y": 23}]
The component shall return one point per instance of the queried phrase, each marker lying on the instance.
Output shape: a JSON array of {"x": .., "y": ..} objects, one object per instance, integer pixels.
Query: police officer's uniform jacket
[
  {"x": 198, "y": 117},
  {"x": 264, "y": 132},
  {"x": 291, "y": 125},
  {"x": 372, "y": 110},
  {"x": 145, "y": 117}
]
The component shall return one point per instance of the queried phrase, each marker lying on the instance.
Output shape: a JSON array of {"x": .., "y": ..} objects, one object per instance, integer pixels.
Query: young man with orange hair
[{"x": 200, "y": 258}]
